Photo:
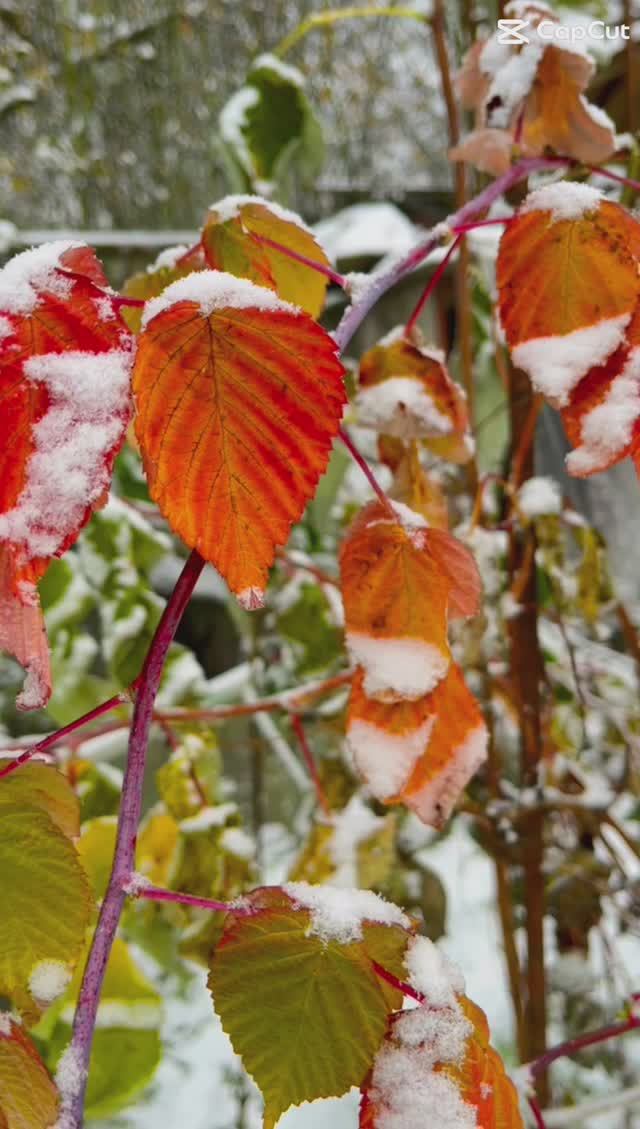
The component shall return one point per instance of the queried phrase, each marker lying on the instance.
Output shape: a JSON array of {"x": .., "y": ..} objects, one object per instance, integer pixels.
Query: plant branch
[
  {"x": 401, "y": 986},
  {"x": 128, "y": 819},
  {"x": 590, "y": 1039},
  {"x": 431, "y": 285},
  {"x": 135, "y": 888},
  {"x": 321, "y": 268},
  {"x": 298, "y": 728},
  {"x": 335, "y": 15},
  {"x": 287, "y": 701},
  {"x": 359, "y": 458}
]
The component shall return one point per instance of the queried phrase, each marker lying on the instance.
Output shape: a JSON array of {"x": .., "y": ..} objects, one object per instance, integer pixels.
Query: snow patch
[
  {"x": 25, "y": 276},
  {"x": 397, "y": 668},
  {"x": 6, "y": 328},
  {"x": 339, "y": 914},
  {"x": 557, "y": 364},
  {"x": 564, "y": 199},
  {"x": 401, "y": 407},
  {"x": 284, "y": 71},
  {"x": 386, "y": 760},
  {"x": 70, "y": 1076},
  {"x": 540, "y": 496},
  {"x": 432, "y": 973},
  {"x": 5, "y": 1024},
  {"x": 608, "y": 428},
  {"x": 237, "y": 842},
  {"x": 352, "y": 826},
  {"x": 233, "y": 121},
  {"x": 229, "y": 208},
  {"x": 208, "y": 818},
  {"x": 216, "y": 290},
  {"x": 48, "y": 980}
]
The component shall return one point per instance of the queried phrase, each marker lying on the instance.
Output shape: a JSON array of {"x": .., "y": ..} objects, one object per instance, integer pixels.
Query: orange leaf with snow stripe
[
  {"x": 397, "y": 596},
  {"x": 602, "y": 419},
  {"x": 481, "y": 1078},
  {"x": 405, "y": 391},
  {"x": 65, "y": 360},
  {"x": 239, "y": 396},
  {"x": 456, "y": 749},
  {"x": 238, "y": 237},
  {"x": 584, "y": 254},
  {"x": 419, "y": 753}
]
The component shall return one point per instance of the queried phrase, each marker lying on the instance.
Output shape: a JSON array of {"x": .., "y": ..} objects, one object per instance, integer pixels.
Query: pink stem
[
  {"x": 406, "y": 989},
  {"x": 474, "y": 225},
  {"x": 55, "y": 738},
  {"x": 537, "y": 1113},
  {"x": 128, "y": 819},
  {"x": 619, "y": 179},
  {"x": 156, "y": 894},
  {"x": 321, "y": 268},
  {"x": 365, "y": 468},
  {"x": 298, "y": 729},
  {"x": 431, "y": 285},
  {"x": 121, "y": 300},
  {"x": 572, "y": 1046}
]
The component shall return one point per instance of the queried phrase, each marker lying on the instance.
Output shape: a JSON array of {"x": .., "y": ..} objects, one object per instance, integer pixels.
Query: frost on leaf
[
  {"x": 239, "y": 397},
  {"x": 239, "y": 236},
  {"x": 293, "y": 983},
  {"x": 534, "y": 91},
  {"x": 436, "y": 1066},
  {"x": 406, "y": 392},
  {"x": 65, "y": 361},
  {"x": 28, "y": 1097},
  {"x": 401, "y": 582},
  {"x": 419, "y": 753}
]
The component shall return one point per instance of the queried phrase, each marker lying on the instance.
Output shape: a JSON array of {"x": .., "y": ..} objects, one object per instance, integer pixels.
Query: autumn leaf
[
  {"x": 584, "y": 253},
  {"x": 243, "y": 236},
  {"x": 400, "y": 582},
  {"x": 405, "y": 391},
  {"x": 171, "y": 264},
  {"x": 239, "y": 396},
  {"x": 416, "y": 489},
  {"x": 65, "y": 360},
  {"x": 293, "y": 983},
  {"x": 419, "y": 753},
  {"x": 28, "y": 1097}
]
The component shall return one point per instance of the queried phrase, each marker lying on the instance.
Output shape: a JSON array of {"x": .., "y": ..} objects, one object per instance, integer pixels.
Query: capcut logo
[{"x": 510, "y": 32}]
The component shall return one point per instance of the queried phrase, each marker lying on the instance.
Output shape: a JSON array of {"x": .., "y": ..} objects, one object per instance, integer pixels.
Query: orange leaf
[
  {"x": 396, "y": 596},
  {"x": 239, "y": 397},
  {"x": 413, "y": 486},
  {"x": 405, "y": 391},
  {"x": 419, "y": 753},
  {"x": 602, "y": 419},
  {"x": 28, "y": 1097},
  {"x": 557, "y": 114},
  {"x": 238, "y": 235},
  {"x": 170, "y": 264},
  {"x": 65, "y": 360},
  {"x": 583, "y": 253}
]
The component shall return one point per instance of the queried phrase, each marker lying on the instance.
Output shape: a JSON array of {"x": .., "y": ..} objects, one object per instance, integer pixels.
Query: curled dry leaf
[
  {"x": 532, "y": 93},
  {"x": 405, "y": 392},
  {"x": 238, "y": 237},
  {"x": 65, "y": 362},
  {"x": 400, "y": 582},
  {"x": 418, "y": 753},
  {"x": 239, "y": 398}
]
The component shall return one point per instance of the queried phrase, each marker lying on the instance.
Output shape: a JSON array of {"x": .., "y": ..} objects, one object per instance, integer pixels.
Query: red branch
[
  {"x": 406, "y": 989},
  {"x": 298, "y": 728},
  {"x": 431, "y": 285},
  {"x": 157, "y": 894}
]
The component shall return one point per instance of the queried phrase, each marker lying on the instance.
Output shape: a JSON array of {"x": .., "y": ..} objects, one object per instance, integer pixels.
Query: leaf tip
[{"x": 251, "y": 599}]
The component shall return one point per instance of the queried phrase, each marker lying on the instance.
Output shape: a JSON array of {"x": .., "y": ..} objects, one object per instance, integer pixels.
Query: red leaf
[{"x": 65, "y": 359}]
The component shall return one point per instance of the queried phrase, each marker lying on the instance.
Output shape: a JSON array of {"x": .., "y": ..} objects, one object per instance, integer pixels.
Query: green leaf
[
  {"x": 306, "y": 1013},
  {"x": 42, "y": 786},
  {"x": 96, "y": 849},
  {"x": 65, "y": 595},
  {"x": 127, "y": 1046},
  {"x": 44, "y": 898},
  {"x": 28, "y": 1097}
]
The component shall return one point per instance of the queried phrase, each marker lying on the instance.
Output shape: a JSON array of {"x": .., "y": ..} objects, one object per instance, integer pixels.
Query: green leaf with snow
[
  {"x": 45, "y": 905},
  {"x": 293, "y": 982},
  {"x": 127, "y": 1047}
]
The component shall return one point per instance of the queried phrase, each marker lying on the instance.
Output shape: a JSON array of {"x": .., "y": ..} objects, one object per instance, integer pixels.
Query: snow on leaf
[
  {"x": 419, "y": 753},
  {"x": 65, "y": 360},
  {"x": 306, "y": 1012},
  {"x": 400, "y": 582},
  {"x": 585, "y": 254},
  {"x": 239, "y": 397},
  {"x": 170, "y": 264},
  {"x": 237, "y": 237},
  {"x": 28, "y": 1097}
]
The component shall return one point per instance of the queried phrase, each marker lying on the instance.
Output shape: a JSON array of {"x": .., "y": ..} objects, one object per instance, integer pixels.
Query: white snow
[
  {"x": 136, "y": 883},
  {"x": 557, "y": 364},
  {"x": 27, "y": 275},
  {"x": 384, "y": 759},
  {"x": 564, "y": 199},
  {"x": 142, "y": 1015},
  {"x": 397, "y": 668},
  {"x": 230, "y": 207},
  {"x": 413, "y": 1096},
  {"x": 433, "y": 804},
  {"x": 443, "y": 1031},
  {"x": 338, "y": 914},
  {"x": 5, "y": 1023},
  {"x": 284, "y": 70},
  {"x": 539, "y": 496},
  {"x": 208, "y": 818},
  {"x": 233, "y": 120},
  {"x": 402, "y": 407},
  {"x": 608, "y": 428},
  {"x": 168, "y": 258},
  {"x": 48, "y": 980},
  {"x": 431, "y": 972},
  {"x": 512, "y": 81},
  {"x": 367, "y": 231},
  {"x": 237, "y": 842},
  {"x": 599, "y": 116},
  {"x": 6, "y": 328},
  {"x": 69, "y": 1078},
  {"x": 352, "y": 826},
  {"x": 88, "y": 413},
  {"x": 409, "y": 519},
  {"x": 216, "y": 290}
]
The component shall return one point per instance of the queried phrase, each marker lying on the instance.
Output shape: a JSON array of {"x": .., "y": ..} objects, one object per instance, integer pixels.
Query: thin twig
[
  {"x": 430, "y": 287},
  {"x": 298, "y": 728},
  {"x": 321, "y": 268}
]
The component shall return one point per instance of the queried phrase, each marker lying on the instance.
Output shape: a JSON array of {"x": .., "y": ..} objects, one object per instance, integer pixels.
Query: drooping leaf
[
  {"x": 239, "y": 397},
  {"x": 302, "y": 1005},
  {"x": 46, "y": 904},
  {"x": 400, "y": 582},
  {"x": 585, "y": 253},
  {"x": 28, "y": 1097},
  {"x": 65, "y": 360},
  {"x": 238, "y": 235}
]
